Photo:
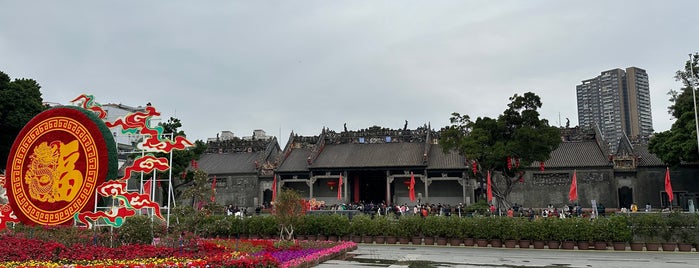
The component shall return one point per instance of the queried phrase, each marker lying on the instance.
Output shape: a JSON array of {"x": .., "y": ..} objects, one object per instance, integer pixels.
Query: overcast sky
[{"x": 299, "y": 66}]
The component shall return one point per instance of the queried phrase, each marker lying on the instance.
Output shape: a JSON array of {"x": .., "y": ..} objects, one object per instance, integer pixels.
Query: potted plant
[
  {"x": 670, "y": 232},
  {"x": 526, "y": 230},
  {"x": 270, "y": 227},
  {"x": 301, "y": 228},
  {"x": 637, "y": 243},
  {"x": 619, "y": 230},
  {"x": 467, "y": 226},
  {"x": 482, "y": 230},
  {"x": 359, "y": 227},
  {"x": 411, "y": 227},
  {"x": 391, "y": 231},
  {"x": 431, "y": 229},
  {"x": 649, "y": 228},
  {"x": 583, "y": 233},
  {"x": 551, "y": 227},
  {"x": 540, "y": 234},
  {"x": 688, "y": 233},
  {"x": 566, "y": 232},
  {"x": 442, "y": 231},
  {"x": 378, "y": 230},
  {"x": 600, "y": 233},
  {"x": 509, "y": 232},
  {"x": 453, "y": 230}
]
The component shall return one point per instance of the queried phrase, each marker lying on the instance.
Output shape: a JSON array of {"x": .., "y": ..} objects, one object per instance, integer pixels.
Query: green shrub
[
  {"x": 480, "y": 207},
  {"x": 453, "y": 227},
  {"x": 688, "y": 231},
  {"x": 526, "y": 228},
  {"x": 467, "y": 227},
  {"x": 432, "y": 226},
  {"x": 410, "y": 225},
  {"x": 567, "y": 229},
  {"x": 270, "y": 226},
  {"x": 361, "y": 224},
  {"x": 600, "y": 230},
  {"x": 254, "y": 225},
  {"x": 648, "y": 226},
  {"x": 583, "y": 230},
  {"x": 136, "y": 230},
  {"x": 619, "y": 230},
  {"x": 508, "y": 228}
]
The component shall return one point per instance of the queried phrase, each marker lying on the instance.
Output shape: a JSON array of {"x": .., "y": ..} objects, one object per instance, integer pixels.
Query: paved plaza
[{"x": 445, "y": 256}]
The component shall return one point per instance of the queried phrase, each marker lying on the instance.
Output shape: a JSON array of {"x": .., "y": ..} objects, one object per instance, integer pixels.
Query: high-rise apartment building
[{"x": 618, "y": 102}]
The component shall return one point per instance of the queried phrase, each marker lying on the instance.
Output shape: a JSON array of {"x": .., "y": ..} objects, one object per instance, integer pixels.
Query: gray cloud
[{"x": 283, "y": 66}]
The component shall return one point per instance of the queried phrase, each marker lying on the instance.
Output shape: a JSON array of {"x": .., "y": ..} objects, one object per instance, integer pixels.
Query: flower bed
[{"x": 18, "y": 251}]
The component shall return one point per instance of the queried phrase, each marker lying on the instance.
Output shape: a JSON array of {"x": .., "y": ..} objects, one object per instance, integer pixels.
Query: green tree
[
  {"x": 20, "y": 101},
  {"x": 518, "y": 134},
  {"x": 181, "y": 159},
  {"x": 199, "y": 190},
  {"x": 679, "y": 144},
  {"x": 289, "y": 212}
]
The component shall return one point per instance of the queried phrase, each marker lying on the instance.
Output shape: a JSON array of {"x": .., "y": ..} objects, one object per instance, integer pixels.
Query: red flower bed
[{"x": 18, "y": 251}]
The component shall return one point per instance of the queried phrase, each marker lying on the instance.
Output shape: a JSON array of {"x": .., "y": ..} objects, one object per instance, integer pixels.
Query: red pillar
[{"x": 356, "y": 189}]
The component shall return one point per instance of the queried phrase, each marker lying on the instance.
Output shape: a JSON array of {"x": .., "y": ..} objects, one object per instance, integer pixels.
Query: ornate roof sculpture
[
  {"x": 366, "y": 148},
  {"x": 236, "y": 156}
]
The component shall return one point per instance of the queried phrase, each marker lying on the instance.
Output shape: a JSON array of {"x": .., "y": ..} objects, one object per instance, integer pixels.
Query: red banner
[
  {"x": 412, "y": 187},
  {"x": 339, "y": 188},
  {"x": 490, "y": 189},
  {"x": 274, "y": 189},
  {"x": 668, "y": 185},
  {"x": 573, "y": 192},
  {"x": 213, "y": 190}
]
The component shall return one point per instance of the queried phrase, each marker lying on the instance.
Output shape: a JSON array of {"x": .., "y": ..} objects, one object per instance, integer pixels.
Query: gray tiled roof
[
  {"x": 576, "y": 154},
  {"x": 645, "y": 157},
  {"x": 228, "y": 163},
  {"x": 439, "y": 160},
  {"x": 370, "y": 155},
  {"x": 296, "y": 161}
]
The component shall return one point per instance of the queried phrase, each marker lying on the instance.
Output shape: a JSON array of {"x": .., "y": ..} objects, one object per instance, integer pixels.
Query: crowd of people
[{"x": 459, "y": 210}]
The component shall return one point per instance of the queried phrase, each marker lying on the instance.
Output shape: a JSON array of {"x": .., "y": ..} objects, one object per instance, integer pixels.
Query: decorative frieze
[{"x": 559, "y": 179}]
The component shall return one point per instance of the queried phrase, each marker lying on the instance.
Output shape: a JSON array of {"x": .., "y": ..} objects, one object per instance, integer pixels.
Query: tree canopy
[
  {"x": 506, "y": 145},
  {"x": 679, "y": 144},
  {"x": 181, "y": 159},
  {"x": 20, "y": 101}
]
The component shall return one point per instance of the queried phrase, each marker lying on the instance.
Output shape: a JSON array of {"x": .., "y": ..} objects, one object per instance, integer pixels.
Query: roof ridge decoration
[
  {"x": 237, "y": 145},
  {"x": 377, "y": 134}
]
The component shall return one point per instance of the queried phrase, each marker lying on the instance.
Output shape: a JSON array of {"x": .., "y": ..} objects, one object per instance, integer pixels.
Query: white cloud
[{"x": 282, "y": 66}]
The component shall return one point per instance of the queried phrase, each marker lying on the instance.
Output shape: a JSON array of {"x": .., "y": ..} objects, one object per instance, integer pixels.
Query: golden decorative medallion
[{"x": 55, "y": 164}]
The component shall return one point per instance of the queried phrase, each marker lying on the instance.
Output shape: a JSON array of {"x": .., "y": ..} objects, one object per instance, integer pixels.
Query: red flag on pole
[
  {"x": 490, "y": 189},
  {"x": 213, "y": 190},
  {"x": 412, "y": 187},
  {"x": 274, "y": 188},
  {"x": 339, "y": 188},
  {"x": 147, "y": 187},
  {"x": 573, "y": 193},
  {"x": 668, "y": 185}
]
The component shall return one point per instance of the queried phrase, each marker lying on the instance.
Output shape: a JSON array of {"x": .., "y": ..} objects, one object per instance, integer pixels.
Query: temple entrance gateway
[
  {"x": 625, "y": 197},
  {"x": 368, "y": 186}
]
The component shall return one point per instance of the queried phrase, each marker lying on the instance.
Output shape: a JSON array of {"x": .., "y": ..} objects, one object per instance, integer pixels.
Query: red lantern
[
  {"x": 332, "y": 184},
  {"x": 474, "y": 166},
  {"x": 541, "y": 166}
]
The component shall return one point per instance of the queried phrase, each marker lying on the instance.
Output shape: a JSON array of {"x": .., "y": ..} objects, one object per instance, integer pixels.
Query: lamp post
[{"x": 694, "y": 97}]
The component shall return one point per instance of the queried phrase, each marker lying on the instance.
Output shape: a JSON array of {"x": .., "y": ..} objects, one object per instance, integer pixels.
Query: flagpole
[{"x": 694, "y": 97}]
